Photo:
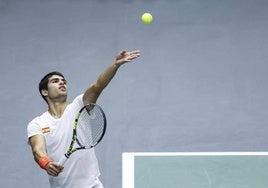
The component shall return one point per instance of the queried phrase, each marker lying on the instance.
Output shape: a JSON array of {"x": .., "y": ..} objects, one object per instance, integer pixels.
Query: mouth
[{"x": 62, "y": 87}]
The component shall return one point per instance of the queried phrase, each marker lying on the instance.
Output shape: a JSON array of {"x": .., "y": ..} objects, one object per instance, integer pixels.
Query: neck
[{"x": 56, "y": 109}]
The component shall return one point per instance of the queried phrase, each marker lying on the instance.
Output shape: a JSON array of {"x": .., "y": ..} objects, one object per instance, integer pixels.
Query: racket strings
[{"x": 90, "y": 127}]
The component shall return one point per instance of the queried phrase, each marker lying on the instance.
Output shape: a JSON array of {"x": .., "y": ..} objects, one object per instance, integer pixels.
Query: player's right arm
[{"x": 38, "y": 145}]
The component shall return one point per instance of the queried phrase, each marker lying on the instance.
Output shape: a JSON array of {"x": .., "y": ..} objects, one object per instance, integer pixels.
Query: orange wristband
[{"x": 43, "y": 161}]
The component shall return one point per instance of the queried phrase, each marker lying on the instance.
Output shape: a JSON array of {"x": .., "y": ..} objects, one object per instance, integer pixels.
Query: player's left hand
[{"x": 124, "y": 56}]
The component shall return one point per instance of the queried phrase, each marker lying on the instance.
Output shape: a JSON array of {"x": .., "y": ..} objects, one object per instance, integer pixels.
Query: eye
[{"x": 54, "y": 80}]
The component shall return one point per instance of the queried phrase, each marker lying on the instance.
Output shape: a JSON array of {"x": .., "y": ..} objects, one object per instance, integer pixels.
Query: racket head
[
  {"x": 90, "y": 126},
  {"x": 88, "y": 129}
]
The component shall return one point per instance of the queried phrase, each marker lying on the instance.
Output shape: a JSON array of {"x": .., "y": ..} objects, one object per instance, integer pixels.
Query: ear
[{"x": 44, "y": 92}]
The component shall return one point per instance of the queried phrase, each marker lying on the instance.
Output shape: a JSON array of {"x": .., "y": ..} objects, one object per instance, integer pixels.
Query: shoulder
[
  {"x": 37, "y": 124},
  {"x": 74, "y": 106},
  {"x": 39, "y": 119},
  {"x": 78, "y": 101}
]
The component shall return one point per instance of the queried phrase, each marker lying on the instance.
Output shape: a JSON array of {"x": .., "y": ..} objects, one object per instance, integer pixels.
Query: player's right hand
[{"x": 53, "y": 168}]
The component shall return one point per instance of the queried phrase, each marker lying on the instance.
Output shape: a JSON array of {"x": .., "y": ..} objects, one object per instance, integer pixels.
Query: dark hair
[{"x": 44, "y": 81}]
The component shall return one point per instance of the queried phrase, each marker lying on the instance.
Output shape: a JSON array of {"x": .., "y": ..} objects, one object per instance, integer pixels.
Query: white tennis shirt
[{"x": 81, "y": 170}]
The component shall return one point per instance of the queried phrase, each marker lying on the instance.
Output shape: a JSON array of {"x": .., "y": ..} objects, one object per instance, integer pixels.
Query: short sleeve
[
  {"x": 78, "y": 101},
  {"x": 76, "y": 104},
  {"x": 33, "y": 129}
]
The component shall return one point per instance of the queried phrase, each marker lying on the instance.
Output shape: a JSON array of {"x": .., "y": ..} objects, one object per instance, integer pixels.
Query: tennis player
[{"x": 50, "y": 133}]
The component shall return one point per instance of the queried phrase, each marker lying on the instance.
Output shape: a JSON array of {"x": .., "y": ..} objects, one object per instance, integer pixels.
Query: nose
[{"x": 62, "y": 82}]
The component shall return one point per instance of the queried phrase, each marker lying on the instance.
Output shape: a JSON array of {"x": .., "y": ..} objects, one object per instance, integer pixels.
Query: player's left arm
[{"x": 94, "y": 90}]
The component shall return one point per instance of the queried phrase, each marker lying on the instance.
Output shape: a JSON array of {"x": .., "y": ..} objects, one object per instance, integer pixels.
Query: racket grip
[{"x": 63, "y": 160}]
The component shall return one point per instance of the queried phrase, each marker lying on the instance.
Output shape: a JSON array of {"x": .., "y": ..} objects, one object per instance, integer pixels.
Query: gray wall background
[{"x": 200, "y": 84}]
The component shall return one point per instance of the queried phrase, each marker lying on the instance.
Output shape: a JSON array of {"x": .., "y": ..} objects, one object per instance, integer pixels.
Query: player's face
[{"x": 57, "y": 88}]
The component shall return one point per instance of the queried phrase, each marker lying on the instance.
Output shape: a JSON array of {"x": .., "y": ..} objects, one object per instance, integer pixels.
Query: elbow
[
  {"x": 92, "y": 93},
  {"x": 38, "y": 151}
]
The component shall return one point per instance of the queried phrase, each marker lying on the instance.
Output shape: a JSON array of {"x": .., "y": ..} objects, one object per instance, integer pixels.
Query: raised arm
[{"x": 94, "y": 90}]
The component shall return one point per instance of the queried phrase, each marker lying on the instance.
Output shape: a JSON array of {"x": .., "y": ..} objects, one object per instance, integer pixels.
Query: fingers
[
  {"x": 54, "y": 169},
  {"x": 135, "y": 52},
  {"x": 125, "y": 56},
  {"x": 132, "y": 55}
]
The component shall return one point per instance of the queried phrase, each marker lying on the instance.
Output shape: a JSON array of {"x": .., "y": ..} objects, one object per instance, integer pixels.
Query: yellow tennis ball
[{"x": 147, "y": 18}]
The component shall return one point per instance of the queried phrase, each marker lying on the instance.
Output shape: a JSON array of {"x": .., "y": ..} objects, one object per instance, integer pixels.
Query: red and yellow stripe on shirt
[{"x": 45, "y": 130}]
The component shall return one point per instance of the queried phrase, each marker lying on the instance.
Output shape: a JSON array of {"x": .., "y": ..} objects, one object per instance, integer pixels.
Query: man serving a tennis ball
[{"x": 50, "y": 133}]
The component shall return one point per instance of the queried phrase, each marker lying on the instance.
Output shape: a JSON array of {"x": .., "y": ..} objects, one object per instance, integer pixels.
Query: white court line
[{"x": 128, "y": 170}]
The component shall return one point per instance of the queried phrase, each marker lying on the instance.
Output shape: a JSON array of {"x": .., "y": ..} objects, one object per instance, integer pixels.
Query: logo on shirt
[{"x": 45, "y": 130}]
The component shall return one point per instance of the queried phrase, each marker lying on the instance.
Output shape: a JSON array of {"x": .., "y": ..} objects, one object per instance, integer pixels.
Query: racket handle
[{"x": 63, "y": 160}]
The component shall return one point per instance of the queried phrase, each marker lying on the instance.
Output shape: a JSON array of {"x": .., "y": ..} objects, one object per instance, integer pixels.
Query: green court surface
[{"x": 201, "y": 171}]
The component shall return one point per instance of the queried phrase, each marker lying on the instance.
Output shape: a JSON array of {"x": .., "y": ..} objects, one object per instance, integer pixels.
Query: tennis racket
[{"x": 88, "y": 130}]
